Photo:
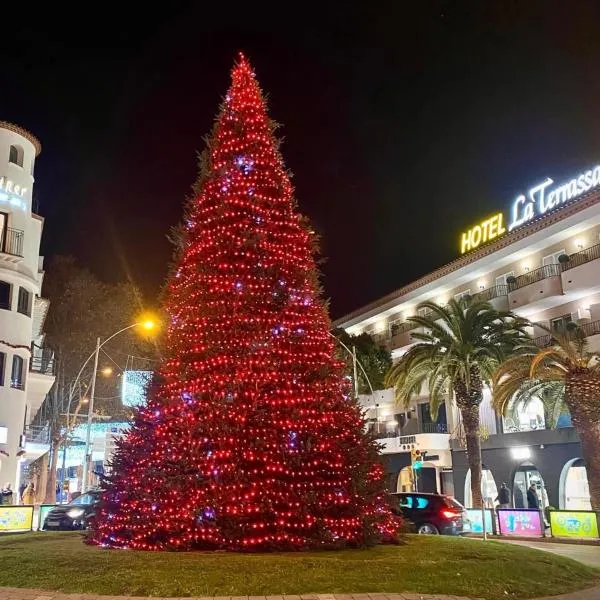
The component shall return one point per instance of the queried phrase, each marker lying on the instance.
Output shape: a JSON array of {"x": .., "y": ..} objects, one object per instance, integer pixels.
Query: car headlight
[{"x": 75, "y": 513}]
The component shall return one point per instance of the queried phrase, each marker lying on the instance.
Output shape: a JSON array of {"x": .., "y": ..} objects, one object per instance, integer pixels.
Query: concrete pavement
[
  {"x": 588, "y": 555},
  {"x": 20, "y": 594}
]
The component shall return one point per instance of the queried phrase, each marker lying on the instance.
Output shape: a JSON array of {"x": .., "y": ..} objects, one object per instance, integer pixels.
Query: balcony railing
[
  {"x": 534, "y": 276},
  {"x": 39, "y": 434},
  {"x": 434, "y": 427},
  {"x": 42, "y": 360},
  {"x": 12, "y": 242},
  {"x": 587, "y": 329},
  {"x": 494, "y": 292},
  {"x": 580, "y": 258},
  {"x": 382, "y": 432},
  {"x": 397, "y": 328}
]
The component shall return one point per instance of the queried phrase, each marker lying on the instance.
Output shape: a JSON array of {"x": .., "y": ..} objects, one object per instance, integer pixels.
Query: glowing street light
[
  {"x": 147, "y": 323},
  {"x": 107, "y": 371}
]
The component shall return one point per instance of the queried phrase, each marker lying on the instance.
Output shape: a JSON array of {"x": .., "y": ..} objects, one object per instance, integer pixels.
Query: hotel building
[
  {"x": 26, "y": 373},
  {"x": 540, "y": 259}
]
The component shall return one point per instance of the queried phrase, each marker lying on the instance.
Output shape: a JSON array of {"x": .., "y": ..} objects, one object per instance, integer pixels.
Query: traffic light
[{"x": 416, "y": 458}]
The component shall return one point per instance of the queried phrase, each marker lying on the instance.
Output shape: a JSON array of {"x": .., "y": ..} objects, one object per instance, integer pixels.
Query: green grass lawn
[{"x": 491, "y": 570}]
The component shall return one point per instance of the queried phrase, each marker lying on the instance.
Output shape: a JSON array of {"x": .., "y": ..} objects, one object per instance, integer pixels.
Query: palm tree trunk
[
  {"x": 590, "y": 442},
  {"x": 581, "y": 396},
  {"x": 470, "y": 420}
]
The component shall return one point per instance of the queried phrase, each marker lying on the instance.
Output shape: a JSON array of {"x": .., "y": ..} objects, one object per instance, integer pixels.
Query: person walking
[
  {"x": 532, "y": 498},
  {"x": 29, "y": 494},
  {"x": 6, "y": 494},
  {"x": 503, "y": 498}
]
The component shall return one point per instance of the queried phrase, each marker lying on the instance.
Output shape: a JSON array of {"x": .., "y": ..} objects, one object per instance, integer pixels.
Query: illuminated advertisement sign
[
  {"x": 476, "y": 520},
  {"x": 540, "y": 199},
  {"x": 43, "y": 513},
  {"x": 577, "y": 524},
  {"x": 16, "y": 518},
  {"x": 12, "y": 193},
  {"x": 520, "y": 522}
]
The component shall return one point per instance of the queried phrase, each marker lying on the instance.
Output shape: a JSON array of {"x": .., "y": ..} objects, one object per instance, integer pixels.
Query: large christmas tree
[{"x": 249, "y": 439}]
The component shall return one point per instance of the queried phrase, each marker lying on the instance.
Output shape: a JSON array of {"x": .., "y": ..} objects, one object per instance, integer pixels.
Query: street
[{"x": 588, "y": 555}]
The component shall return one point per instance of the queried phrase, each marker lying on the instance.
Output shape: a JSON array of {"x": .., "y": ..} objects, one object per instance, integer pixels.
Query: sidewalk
[{"x": 23, "y": 594}]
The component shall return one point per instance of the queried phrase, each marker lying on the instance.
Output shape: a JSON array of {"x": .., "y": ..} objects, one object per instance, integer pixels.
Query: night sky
[{"x": 404, "y": 123}]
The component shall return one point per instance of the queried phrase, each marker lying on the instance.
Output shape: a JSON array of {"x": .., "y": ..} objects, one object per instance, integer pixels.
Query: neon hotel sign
[{"x": 540, "y": 199}]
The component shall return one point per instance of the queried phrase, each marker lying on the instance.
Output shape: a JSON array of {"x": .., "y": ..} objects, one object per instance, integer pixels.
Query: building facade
[
  {"x": 25, "y": 367},
  {"x": 540, "y": 259}
]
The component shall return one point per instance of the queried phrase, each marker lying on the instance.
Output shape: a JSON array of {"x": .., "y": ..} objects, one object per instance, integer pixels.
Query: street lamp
[{"x": 147, "y": 324}]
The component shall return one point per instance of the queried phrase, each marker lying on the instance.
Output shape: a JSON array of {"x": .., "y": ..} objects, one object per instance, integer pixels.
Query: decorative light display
[
  {"x": 248, "y": 440},
  {"x": 135, "y": 383}
]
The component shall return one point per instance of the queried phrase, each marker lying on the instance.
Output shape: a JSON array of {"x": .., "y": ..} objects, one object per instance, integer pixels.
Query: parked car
[
  {"x": 432, "y": 513},
  {"x": 75, "y": 515}
]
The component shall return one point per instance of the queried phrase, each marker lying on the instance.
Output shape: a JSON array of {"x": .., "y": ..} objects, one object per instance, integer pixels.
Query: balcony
[
  {"x": 581, "y": 258},
  {"x": 42, "y": 360},
  {"x": 11, "y": 244},
  {"x": 580, "y": 272},
  {"x": 497, "y": 296},
  {"x": 401, "y": 334},
  {"x": 536, "y": 288},
  {"x": 588, "y": 330}
]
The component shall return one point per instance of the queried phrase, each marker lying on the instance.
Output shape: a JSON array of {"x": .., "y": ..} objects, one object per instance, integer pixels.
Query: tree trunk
[
  {"x": 51, "y": 481},
  {"x": 470, "y": 420},
  {"x": 582, "y": 396}
]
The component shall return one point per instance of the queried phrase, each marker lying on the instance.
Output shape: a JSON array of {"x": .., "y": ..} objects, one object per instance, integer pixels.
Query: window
[
  {"x": 561, "y": 324},
  {"x": 501, "y": 279},
  {"x": 5, "y": 295},
  {"x": 85, "y": 500},
  {"x": 552, "y": 259},
  {"x": 406, "y": 502},
  {"x": 15, "y": 155},
  {"x": 2, "y": 363},
  {"x": 422, "y": 502},
  {"x": 3, "y": 434},
  {"x": 463, "y": 294},
  {"x": 24, "y": 304},
  {"x": 16, "y": 376}
]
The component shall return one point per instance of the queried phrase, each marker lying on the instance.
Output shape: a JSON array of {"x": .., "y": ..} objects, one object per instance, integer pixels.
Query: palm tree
[
  {"x": 565, "y": 377},
  {"x": 463, "y": 343}
]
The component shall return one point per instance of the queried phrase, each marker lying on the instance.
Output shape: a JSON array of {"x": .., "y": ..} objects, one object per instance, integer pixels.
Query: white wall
[{"x": 16, "y": 328}]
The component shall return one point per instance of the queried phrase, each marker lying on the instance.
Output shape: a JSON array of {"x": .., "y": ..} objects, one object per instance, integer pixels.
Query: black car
[
  {"x": 75, "y": 515},
  {"x": 432, "y": 513}
]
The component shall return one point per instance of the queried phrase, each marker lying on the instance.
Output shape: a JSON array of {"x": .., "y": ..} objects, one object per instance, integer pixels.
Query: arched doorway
[
  {"x": 489, "y": 491},
  {"x": 574, "y": 490},
  {"x": 526, "y": 475}
]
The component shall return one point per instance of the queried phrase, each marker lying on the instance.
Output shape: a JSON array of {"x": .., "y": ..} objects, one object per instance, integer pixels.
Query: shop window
[
  {"x": 17, "y": 373},
  {"x": 24, "y": 302},
  {"x": 15, "y": 155},
  {"x": 5, "y": 289},
  {"x": 574, "y": 489},
  {"x": 2, "y": 365},
  {"x": 528, "y": 417},
  {"x": 489, "y": 491}
]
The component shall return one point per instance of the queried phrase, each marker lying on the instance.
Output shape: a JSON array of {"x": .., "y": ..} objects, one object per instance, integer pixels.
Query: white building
[
  {"x": 25, "y": 369},
  {"x": 541, "y": 259}
]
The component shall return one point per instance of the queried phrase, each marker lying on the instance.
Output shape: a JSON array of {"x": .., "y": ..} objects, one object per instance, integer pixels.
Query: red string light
[{"x": 249, "y": 439}]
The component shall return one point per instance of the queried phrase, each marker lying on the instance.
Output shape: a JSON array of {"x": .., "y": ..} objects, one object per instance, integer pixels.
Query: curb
[{"x": 7, "y": 593}]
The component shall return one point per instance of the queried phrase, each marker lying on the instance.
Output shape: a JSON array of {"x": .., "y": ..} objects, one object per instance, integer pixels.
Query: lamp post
[{"x": 148, "y": 324}]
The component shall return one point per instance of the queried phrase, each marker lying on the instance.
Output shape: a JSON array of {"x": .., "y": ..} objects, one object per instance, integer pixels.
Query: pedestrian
[
  {"x": 519, "y": 497},
  {"x": 532, "y": 498},
  {"x": 28, "y": 496},
  {"x": 503, "y": 498},
  {"x": 6, "y": 494}
]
